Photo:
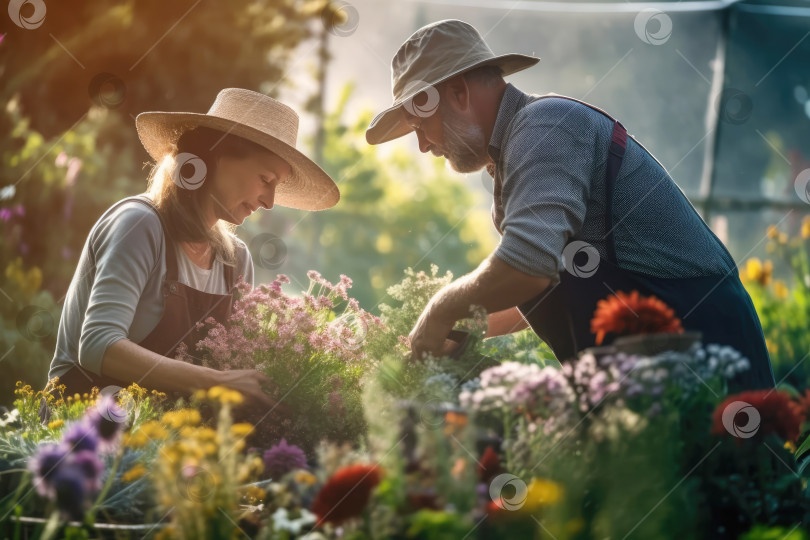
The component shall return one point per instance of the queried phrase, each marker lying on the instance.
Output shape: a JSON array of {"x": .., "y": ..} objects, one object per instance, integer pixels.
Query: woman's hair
[{"x": 181, "y": 208}]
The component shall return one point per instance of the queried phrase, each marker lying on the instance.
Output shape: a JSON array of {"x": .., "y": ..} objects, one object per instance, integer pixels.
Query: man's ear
[{"x": 457, "y": 92}]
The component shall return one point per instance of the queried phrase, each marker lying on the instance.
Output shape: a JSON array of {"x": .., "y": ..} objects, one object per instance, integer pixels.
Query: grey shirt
[
  {"x": 551, "y": 160},
  {"x": 116, "y": 291}
]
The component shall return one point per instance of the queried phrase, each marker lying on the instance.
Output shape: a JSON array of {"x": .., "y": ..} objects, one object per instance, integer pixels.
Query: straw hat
[
  {"x": 257, "y": 118},
  {"x": 435, "y": 53}
]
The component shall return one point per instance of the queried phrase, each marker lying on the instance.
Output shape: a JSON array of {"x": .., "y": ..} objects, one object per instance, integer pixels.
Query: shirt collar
[{"x": 510, "y": 104}]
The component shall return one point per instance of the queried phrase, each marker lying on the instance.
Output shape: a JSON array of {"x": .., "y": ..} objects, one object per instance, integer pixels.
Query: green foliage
[
  {"x": 437, "y": 378},
  {"x": 432, "y": 525},
  {"x": 393, "y": 214},
  {"x": 784, "y": 308},
  {"x": 168, "y": 56},
  {"x": 764, "y": 532}
]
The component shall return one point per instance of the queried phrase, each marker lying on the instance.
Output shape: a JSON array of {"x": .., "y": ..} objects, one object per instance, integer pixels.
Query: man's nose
[{"x": 423, "y": 143}]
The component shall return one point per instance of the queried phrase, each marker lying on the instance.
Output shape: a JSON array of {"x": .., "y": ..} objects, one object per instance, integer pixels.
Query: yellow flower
[
  {"x": 541, "y": 492},
  {"x": 210, "y": 448},
  {"x": 232, "y": 397},
  {"x": 752, "y": 270},
  {"x": 254, "y": 494},
  {"x": 780, "y": 290},
  {"x": 767, "y": 272},
  {"x": 783, "y": 238},
  {"x": 171, "y": 454},
  {"x": 242, "y": 429},
  {"x": 773, "y": 232},
  {"x": 757, "y": 271},
  {"x": 305, "y": 477},
  {"x": 134, "y": 473},
  {"x": 136, "y": 440},
  {"x": 206, "y": 434},
  {"x": 183, "y": 417},
  {"x": 224, "y": 395},
  {"x": 152, "y": 430},
  {"x": 790, "y": 447},
  {"x": 216, "y": 391},
  {"x": 56, "y": 424},
  {"x": 806, "y": 227}
]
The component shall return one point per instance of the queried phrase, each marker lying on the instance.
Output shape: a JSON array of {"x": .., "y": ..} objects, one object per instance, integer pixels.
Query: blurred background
[{"x": 717, "y": 91}]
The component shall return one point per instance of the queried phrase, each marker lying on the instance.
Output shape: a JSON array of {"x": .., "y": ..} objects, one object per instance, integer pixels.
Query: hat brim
[
  {"x": 390, "y": 124},
  {"x": 307, "y": 188}
]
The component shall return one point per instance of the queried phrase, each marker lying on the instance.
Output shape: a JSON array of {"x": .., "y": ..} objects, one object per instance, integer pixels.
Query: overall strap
[
  {"x": 171, "y": 254},
  {"x": 227, "y": 270},
  {"x": 618, "y": 144}
]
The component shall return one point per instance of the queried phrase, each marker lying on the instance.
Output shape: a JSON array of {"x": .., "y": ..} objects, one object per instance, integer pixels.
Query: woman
[{"x": 157, "y": 264}]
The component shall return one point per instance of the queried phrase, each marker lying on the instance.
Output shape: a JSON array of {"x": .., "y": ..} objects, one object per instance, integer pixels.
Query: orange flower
[
  {"x": 629, "y": 314},
  {"x": 454, "y": 422}
]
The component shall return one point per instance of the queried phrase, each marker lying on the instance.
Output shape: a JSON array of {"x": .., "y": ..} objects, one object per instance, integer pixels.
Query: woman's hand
[{"x": 248, "y": 382}]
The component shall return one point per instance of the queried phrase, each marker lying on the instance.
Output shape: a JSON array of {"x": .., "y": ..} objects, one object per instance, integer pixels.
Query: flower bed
[{"x": 500, "y": 442}]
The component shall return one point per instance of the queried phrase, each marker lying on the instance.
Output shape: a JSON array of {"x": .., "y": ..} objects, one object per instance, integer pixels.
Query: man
[{"x": 583, "y": 210}]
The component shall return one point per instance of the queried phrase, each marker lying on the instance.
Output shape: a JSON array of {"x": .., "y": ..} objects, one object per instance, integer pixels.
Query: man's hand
[
  {"x": 494, "y": 285},
  {"x": 430, "y": 333}
]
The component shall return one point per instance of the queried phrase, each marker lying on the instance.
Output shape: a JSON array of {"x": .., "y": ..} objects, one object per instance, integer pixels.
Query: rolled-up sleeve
[
  {"x": 126, "y": 251},
  {"x": 547, "y": 163}
]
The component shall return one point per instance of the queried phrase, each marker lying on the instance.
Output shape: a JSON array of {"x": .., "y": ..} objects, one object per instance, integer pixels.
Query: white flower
[
  {"x": 282, "y": 522},
  {"x": 11, "y": 417}
]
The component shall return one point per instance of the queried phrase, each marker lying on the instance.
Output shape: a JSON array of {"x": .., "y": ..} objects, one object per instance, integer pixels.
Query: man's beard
[{"x": 462, "y": 143}]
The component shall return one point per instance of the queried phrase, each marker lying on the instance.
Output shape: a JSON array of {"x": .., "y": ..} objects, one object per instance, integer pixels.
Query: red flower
[
  {"x": 757, "y": 413},
  {"x": 629, "y": 314},
  {"x": 346, "y": 494},
  {"x": 490, "y": 465}
]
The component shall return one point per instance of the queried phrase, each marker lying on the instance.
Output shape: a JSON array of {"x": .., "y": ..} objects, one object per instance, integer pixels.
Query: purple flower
[
  {"x": 69, "y": 486},
  {"x": 106, "y": 418},
  {"x": 81, "y": 435},
  {"x": 90, "y": 466},
  {"x": 283, "y": 458},
  {"x": 44, "y": 466}
]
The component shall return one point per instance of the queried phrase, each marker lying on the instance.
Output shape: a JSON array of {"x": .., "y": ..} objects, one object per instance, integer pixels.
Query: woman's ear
[{"x": 457, "y": 92}]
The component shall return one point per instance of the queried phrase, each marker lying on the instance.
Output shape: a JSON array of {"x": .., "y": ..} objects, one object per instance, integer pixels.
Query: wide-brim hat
[
  {"x": 259, "y": 119},
  {"x": 433, "y": 54}
]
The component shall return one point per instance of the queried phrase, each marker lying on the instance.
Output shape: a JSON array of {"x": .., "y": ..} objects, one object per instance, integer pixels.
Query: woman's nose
[{"x": 269, "y": 196}]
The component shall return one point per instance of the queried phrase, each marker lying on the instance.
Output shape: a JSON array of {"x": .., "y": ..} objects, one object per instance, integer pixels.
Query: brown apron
[{"x": 184, "y": 307}]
